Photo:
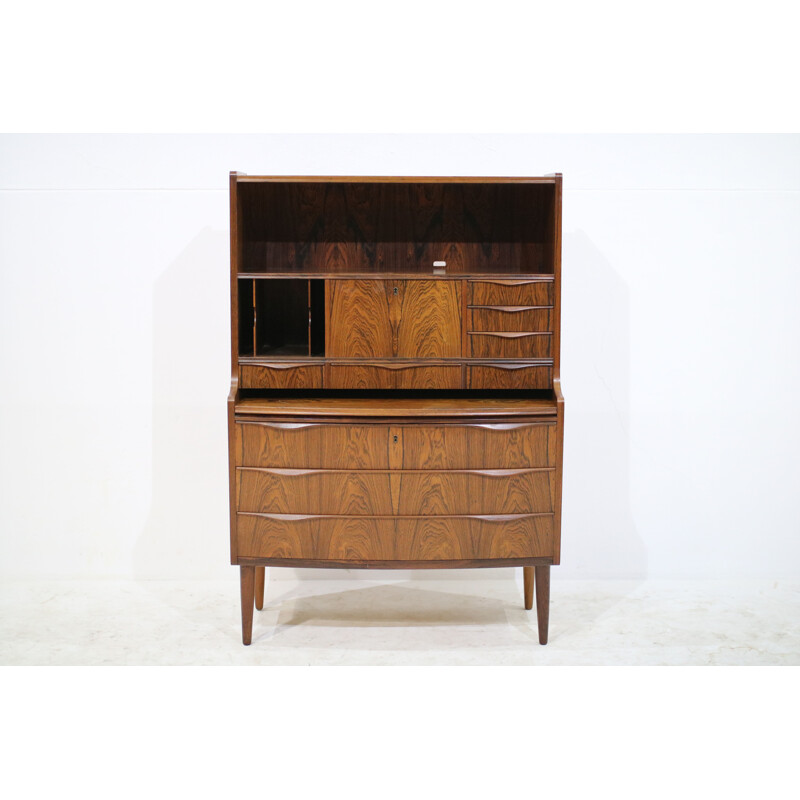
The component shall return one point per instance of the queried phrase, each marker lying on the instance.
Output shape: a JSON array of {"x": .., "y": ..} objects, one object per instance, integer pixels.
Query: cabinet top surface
[{"x": 243, "y": 178}]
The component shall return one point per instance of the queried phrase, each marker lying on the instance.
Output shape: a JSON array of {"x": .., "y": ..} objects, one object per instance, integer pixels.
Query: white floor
[{"x": 349, "y": 621}]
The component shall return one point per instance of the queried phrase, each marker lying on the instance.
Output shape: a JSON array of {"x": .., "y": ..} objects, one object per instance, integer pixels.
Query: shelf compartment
[
  {"x": 396, "y": 227},
  {"x": 281, "y": 318}
]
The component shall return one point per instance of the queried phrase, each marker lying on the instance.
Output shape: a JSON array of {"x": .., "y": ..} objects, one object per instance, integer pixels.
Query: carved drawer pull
[
  {"x": 282, "y": 366},
  {"x": 289, "y": 426},
  {"x": 405, "y": 366},
  {"x": 547, "y": 279},
  {"x": 504, "y": 426},
  {"x": 512, "y": 309},
  {"x": 516, "y": 366},
  {"x": 510, "y": 334}
]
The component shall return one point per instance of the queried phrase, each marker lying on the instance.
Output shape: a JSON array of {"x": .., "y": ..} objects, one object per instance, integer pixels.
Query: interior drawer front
[
  {"x": 399, "y": 538},
  {"x": 511, "y": 293},
  {"x": 280, "y": 376},
  {"x": 516, "y": 445},
  {"x": 395, "y": 493},
  {"x": 498, "y": 344},
  {"x": 311, "y": 445},
  {"x": 394, "y": 376},
  {"x": 512, "y": 376},
  {"x": 509, "y": 318}
]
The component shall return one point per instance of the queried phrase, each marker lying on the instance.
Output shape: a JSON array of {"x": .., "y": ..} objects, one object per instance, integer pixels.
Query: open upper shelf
[{"x": 328, "y": 227}]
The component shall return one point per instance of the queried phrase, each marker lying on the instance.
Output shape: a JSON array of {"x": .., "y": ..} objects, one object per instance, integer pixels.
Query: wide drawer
[
  {"x": 499, "y": 344},
  {"x": 496, "y": 445},
  {"x": 511, "y": 293},
  {"x": 416, "y": 493},
  {"x": 280, "y": 376},
  {"x": 394, "y": 376},
  {"x": 509, "y": 318},
  {"x": 398, "y": 538},
  {"x": 509, "y": 376}
]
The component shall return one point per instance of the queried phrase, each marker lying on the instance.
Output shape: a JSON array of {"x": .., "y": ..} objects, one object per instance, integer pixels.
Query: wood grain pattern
[
  {"x": 511, "y": 376},
  {"x": 511, "y": 293},
  {"x": 284, "y": 375},
  {"x": 508, "y": 344},
  {"x": 482, "y": 446},
  {"x": 394, "y": 319},
  {"x": 403, "y": 493},
  {"x": 299, "y": 445},
  {"x": 417, "y": 447},
  {"x": 398, "y": 538},
  {"x": 394, "y": 376},
  {"x": 509, "y": 318}
]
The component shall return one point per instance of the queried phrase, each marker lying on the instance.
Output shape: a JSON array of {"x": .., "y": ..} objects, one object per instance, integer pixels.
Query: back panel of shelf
[{"x": 330, "y": 228}]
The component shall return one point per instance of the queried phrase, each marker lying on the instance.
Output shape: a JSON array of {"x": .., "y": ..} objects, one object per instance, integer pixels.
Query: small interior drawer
[
  {"x": 394, "y": 376},
  {"x": 280, "y": 376},
  {"x": 511, "y": 293},
  {"x": 509, "y": 376},
  {"x": 510, "y": 344},
  {"x": 509, "y": 318}
]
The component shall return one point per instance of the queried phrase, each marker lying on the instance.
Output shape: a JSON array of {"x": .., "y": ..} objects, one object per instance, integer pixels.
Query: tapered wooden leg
[
  {"x": 543, "y": 601},
  {"x": 260, "y": 576},
  {"x": 247, "y": 579},
  {"x": 527, "y": 581}
]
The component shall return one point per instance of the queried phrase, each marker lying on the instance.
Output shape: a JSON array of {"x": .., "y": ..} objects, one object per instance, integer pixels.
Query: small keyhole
[
  {"x": 395, "y": 290},
  {"x": 394, "y": 438}
]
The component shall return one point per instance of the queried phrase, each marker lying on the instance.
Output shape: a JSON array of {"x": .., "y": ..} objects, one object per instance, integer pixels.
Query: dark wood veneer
[{"x": 385, "y": 412}]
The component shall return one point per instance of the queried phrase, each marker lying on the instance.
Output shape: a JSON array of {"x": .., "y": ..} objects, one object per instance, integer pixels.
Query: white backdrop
[{"x": 680, "y": 359}]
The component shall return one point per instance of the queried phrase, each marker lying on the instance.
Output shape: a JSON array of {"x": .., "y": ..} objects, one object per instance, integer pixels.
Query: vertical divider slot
[{"x": 316, "y": 294}]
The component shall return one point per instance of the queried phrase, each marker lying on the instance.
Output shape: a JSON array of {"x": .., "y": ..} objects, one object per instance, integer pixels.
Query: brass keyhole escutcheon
[
  {"x": 394, "y": 439},
  {"x": 395, "y": 290}
]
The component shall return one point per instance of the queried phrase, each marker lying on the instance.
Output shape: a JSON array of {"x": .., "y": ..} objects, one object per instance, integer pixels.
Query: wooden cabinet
[{"x": 395, "y": 398}]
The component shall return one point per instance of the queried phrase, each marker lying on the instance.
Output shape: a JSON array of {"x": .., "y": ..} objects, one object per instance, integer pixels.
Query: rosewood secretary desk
[{"x": 395, "y": 394}]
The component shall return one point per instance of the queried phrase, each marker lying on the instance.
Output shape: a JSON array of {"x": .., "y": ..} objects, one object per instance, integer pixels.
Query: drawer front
[
  {"x": 511, "y": 376},
  {"x": 401, "y": 538},
  {"x": 509, "y": 318},
  {"x": 280, "y": 376},
  {"x": 511, "y": 293},
  {"x": 479, "y": 446},
  {"x": 380, "y": 376},
  {"x": 285, "y": 445},
  {"x": 312, "y": 445},
  {"x": 367, "y": 493},
  {"x": 500, "y": 344}
]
